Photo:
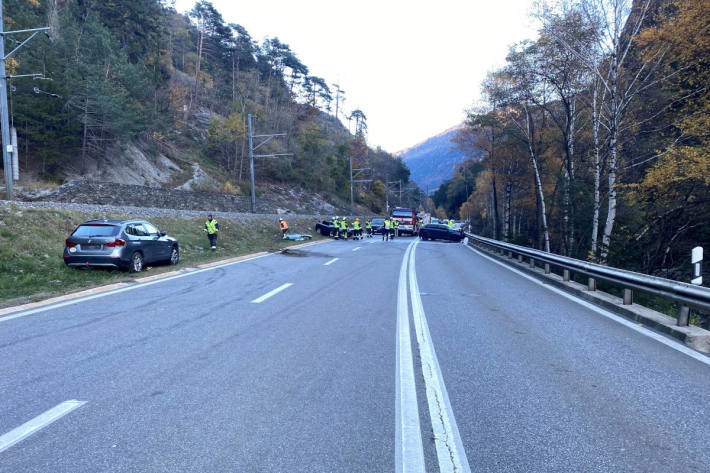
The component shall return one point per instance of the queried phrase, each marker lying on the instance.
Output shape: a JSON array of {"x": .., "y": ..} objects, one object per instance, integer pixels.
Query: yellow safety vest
[{"x": 211, "y": 226}]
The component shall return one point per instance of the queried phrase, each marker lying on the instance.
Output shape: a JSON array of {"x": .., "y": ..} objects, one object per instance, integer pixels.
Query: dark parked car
[
  {"x": 325, "y": 227},
  {"x": 123, "y": 244},
  {"x": 437, "y": 231},
  {"x": 378, "y": 224}
]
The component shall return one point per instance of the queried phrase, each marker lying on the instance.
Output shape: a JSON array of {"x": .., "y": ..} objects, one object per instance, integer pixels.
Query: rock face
[
  {"x": 200, "y": 179},
  {"x": 129, "y": 164}
]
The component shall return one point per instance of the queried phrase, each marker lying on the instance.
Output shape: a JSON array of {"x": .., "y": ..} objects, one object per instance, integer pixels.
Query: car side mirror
[{"x": 162, "y": 234}]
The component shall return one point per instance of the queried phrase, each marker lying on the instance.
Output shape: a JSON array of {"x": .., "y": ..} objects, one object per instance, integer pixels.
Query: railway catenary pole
[{"x": 7, "y": 148}]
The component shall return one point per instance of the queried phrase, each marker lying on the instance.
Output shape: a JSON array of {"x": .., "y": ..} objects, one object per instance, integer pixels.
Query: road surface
[{"x": 359, "y": 356}]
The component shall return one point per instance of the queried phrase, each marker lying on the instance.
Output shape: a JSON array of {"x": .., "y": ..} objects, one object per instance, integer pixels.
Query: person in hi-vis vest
[{"x": 211, "y": 228}]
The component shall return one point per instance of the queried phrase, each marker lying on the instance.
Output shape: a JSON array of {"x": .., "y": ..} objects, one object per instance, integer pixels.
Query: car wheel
[
  {"x": 136, "y": 264},
  {"x": 174, "y": 256}
]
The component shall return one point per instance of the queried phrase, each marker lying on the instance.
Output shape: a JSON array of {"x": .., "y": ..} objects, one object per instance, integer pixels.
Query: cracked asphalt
[{"x": 189, "y": 375}]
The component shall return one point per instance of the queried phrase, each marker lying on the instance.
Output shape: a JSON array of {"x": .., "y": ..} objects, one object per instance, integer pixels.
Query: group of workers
[
  {"x": 341, "y": 227},
  {"x": 212, "y": 229},
  {"x": 389, "y": 229}
]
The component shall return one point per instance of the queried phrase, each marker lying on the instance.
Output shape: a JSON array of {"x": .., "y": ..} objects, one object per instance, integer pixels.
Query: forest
[
  {"x": 137, "y": 71},
  {"x": 593, "y": 140}
]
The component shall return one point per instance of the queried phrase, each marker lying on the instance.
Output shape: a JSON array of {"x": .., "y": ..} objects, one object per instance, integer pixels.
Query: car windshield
[
  {"x": 402, "y": 213},
  {"x": 96, "y": 230},
  {"x": 378, "y": 221}
]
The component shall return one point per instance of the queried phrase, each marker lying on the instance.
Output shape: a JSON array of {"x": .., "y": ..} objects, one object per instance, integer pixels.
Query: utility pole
[
  {"x": 7, "y": 148},
  {"x": 387, "y": 189},
  {"x": 252, "y": 148},
  {"x": 358, "y": 171}
]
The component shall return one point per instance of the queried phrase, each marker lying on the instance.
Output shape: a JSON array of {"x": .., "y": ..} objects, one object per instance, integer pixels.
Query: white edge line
[
  {"x": 355, "y": 249},
  {"x": 617, "y": 318},
  {"x": 272, "y": 293},
  {"x": 331, "y": 261},
  {"x": 449, "y": 446},
  {"x": 43, "y": 420},
  {"x": 409, "y": 450},
  {"x": 123, "y": 289}
]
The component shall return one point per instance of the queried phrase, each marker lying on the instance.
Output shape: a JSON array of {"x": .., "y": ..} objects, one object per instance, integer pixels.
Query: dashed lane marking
[
  {"x": 43, "y": 420},
  {"x": 261, "y": 299},
  {"x": 330, "y": 262}
]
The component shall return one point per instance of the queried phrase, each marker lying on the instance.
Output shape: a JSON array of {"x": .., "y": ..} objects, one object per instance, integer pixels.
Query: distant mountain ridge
[{"x": 433, "y": 161}]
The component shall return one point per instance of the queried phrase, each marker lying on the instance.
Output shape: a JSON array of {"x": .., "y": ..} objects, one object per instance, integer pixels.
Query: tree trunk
[
  {"x": 538, "y": 181},
  {"x": 613, "y": 137},
  {"x": 597, "y": 176},
  {"x": 194, "y": 97},
  {"x": 496, "y": 217},
  {"x": 506, "y": 212}
]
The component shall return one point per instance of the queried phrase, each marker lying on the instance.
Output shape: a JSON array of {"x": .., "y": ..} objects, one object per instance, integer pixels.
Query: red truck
[{"x": 407, "y": 218}]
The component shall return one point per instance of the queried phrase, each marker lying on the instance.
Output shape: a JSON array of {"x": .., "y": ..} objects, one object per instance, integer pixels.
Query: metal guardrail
[{"x": 688, "y": 295}]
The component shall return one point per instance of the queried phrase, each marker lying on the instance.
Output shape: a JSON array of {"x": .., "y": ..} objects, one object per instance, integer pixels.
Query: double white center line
[{"x": 449, "y": 447}]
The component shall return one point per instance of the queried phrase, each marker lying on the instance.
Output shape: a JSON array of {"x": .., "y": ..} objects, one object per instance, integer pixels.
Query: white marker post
[{"x": 696, "y": 258}]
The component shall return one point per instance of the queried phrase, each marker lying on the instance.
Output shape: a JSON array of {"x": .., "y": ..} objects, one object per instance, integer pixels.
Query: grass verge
[{"x": 32, "y": 241}]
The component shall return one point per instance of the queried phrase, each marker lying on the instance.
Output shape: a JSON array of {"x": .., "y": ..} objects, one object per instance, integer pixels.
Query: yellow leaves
[
  {"x": 229, "y": 188},
  {"x": 11, "y": 65},
  {"x": 680, "y": 176},
  {"x": 227, "y": 129}
]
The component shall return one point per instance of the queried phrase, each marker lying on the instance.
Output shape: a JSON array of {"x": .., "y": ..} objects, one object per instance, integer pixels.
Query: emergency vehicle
[{"x": 407, "y": 218}]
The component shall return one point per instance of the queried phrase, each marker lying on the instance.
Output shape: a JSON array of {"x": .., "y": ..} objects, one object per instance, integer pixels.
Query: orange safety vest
[{"x": 284, "y": 225}]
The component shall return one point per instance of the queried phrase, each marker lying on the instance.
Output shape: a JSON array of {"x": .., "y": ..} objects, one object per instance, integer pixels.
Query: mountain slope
[{"x": 434, "y": 160}]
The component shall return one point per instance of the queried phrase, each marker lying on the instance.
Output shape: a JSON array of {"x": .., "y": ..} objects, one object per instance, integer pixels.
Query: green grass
[{"x": 32, "y": 242}]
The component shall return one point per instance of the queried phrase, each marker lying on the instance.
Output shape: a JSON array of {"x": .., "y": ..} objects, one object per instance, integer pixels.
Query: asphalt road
[{"x": 392, "y": 357}]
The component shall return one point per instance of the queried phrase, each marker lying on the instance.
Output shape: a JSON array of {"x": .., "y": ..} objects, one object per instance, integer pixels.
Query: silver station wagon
[{"x": 122, "y": 244}]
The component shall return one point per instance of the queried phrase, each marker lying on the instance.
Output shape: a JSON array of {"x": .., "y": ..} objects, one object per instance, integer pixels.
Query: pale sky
[{"x": 412, "y": 67}]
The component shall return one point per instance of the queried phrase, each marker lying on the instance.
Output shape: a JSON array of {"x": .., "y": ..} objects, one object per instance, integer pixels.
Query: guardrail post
[
  {"x": 565, "y": 275},
  {"x": 628, "y": 297},
  {"x": 510, "y": 254},
  {"x": 520, "y": 258},
  {"x": 532, "y": 262},
  {"x": 683, "y": 316},
  {"x": 547, "y": 268},
  {"x": 592, "y": 284}
]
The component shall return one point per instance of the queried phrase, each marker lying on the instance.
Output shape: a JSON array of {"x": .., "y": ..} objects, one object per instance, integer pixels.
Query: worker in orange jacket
[{"x": 284, "y": 228}]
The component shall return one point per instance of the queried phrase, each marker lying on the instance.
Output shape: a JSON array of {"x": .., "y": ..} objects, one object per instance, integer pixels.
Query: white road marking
[
  {"x": 123, "y": 289},
  {"x": 355, "y": 249},
  {"x": 617, "y": 318},
  {"x": 43, "y": 420},
  {"x": 449, "y": 447},
  {"x": 331, "y": 261},
  {"x": 261, "y": 299},
  {"x": 409, "y": 452},
  {"x": 373, "y": 242}
]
